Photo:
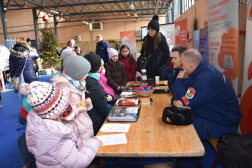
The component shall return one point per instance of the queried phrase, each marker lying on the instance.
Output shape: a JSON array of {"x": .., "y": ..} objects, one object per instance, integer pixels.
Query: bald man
[{"x": 209, "y": 94}]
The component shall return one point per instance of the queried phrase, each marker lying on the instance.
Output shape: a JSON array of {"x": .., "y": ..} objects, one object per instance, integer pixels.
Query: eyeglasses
[{"x": 151, "y": 30}]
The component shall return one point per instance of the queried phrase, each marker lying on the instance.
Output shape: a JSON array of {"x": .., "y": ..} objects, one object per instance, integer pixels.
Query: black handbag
[
  {"x": 234, "y": 151},
  {"x": 142, "y": 63}
]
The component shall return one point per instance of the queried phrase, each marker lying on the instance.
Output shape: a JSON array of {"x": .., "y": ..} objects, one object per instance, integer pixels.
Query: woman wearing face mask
[{"x": 155, "y": 47}]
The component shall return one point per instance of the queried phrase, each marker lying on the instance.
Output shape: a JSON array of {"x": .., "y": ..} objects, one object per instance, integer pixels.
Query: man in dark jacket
[
  {"x": 96, "y": 93},
  {"x": 211, "y": 97},
  {"x": 101, "y": 49},
  {"x": 176, "y": 60}
]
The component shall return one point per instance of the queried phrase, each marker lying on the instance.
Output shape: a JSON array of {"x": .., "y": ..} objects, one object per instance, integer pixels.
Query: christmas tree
[{"x": 48, "y": 45}]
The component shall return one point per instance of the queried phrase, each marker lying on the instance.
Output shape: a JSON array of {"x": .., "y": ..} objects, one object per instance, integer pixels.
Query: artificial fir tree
[{"x": 48, "y": 45}]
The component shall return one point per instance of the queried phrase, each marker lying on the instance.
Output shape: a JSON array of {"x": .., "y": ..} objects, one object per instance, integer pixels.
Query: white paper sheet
[
  {"x": 113, "y": 139},
  {"x": 126, "y": 93},
  {"x": 115, "y": 128}
]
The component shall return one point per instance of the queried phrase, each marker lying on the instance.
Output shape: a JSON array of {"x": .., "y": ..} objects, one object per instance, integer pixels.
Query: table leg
[
  {"x": 173, "y": 162},
  {"x": 121, "y": 162}
]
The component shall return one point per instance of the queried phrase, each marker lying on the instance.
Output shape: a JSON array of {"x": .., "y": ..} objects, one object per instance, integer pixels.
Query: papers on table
[
  {"x": 126, "y": 93},
  {"x": 115, "y": 128},
  {"x": 113, "y": 139}
]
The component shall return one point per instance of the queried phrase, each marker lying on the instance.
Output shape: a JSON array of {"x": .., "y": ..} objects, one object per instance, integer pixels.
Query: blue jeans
[
  {"x": 205, "y": 129},
  {"x": 28, "y": 158},
  {"x": 117, "y": 95}
]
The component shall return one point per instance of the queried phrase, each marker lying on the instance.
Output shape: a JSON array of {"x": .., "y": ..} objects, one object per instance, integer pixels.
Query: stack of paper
[
  {"x": 113, "y": 139},
  {"x": 115, "y": 128}
]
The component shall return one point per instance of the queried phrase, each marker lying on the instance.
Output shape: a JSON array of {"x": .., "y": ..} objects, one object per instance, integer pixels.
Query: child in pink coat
[
  {"x": 103, "y": 81},
  {"x": 50, "y": 132},
  {"x": 72, "y": 83}
]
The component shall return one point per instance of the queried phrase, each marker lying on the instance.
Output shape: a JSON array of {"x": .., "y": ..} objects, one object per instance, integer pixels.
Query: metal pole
[
  {"x": 2, "y": 12},
  {"x": 35, "y": 27},
  {"x": 172, "y": 10},
  {"x": 180, "y": 7},
  {"x": 55, "y": 26},
  {"x": 167, "y": 17}
]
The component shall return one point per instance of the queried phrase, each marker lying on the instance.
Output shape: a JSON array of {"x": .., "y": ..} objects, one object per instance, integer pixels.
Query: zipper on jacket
[{"x": 208, "y": 131}]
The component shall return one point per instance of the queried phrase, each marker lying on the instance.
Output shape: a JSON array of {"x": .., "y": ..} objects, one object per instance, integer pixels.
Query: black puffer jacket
[
  {"x": 160, "y": 56},
  {"x": 116, "y": 75},
  {"x": 100, "y": 108}
]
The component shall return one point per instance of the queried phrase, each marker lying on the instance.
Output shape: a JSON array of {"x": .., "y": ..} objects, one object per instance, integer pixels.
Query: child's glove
[{"x": 120, "y": 88}]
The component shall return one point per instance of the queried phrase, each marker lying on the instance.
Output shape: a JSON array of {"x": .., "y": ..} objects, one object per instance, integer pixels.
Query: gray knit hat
[
  {"x": 76, "y": 67},
  {"x": 65, "y": 53}
]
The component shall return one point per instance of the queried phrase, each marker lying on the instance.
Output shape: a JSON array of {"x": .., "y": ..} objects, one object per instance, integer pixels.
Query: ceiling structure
[{"x": 94, "y": 10}]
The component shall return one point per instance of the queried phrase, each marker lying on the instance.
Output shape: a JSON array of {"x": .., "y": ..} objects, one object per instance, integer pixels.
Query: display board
[{"x": 224, "y": 38}]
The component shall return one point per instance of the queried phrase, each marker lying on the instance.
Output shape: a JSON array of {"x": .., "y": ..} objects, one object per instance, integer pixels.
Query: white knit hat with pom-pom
[{"x": 47, "y": 100}]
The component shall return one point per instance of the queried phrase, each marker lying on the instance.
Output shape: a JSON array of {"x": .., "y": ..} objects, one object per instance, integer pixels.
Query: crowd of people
[{"x": 53, "y": 131}]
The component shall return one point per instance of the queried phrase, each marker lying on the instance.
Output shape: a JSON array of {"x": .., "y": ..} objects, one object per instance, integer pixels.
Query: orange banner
[
  {"x": 246, "y": 101},
  {"x": 181, "y": 33}
]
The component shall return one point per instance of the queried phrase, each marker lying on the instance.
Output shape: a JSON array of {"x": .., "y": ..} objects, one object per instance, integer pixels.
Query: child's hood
[
  {"x": 42, "y": 135},
  {"x": 60, "y": 79}
]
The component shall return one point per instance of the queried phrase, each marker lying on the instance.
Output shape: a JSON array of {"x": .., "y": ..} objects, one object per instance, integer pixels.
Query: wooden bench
[{"x": 214, "y": 143}]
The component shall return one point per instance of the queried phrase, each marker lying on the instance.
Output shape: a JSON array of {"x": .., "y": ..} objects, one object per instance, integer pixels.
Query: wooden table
[{"x": 151, "y": 137}]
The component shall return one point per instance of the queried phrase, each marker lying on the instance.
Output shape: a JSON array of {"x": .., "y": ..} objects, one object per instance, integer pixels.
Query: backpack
[{"x": 234, "y": 151}]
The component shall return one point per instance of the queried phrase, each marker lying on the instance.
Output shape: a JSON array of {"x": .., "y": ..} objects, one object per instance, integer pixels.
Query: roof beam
[
  {"x": 79, "y": 4},
  {"x": 110, "y": 19},
  {"x": 115, "y": 11},
  {"x": 41, "y": 5}
]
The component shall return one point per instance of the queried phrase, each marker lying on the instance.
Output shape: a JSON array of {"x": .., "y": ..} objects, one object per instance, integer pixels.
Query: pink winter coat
[
  {"x": 103, "y": 81},
  {"x": 75, "y": 96},
  {"x": 54, "y": 144}
]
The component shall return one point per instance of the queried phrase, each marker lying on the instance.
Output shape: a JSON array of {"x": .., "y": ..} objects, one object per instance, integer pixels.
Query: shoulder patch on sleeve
[{"x": 190, "y": 93}]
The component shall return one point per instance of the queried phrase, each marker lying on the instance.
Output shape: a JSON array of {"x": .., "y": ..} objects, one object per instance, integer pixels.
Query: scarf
[
  {"x": 76, "y": 83},
  {"x": 94, "y": 75}
]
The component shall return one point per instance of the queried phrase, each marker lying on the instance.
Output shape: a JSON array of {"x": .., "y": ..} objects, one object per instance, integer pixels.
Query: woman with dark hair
[
  {"x": 155, "y": 47},
  {"x": 129, "y": 62}
]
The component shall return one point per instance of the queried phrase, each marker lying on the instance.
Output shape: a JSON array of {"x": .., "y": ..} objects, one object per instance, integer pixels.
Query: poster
[
  {"x": 181, "y": 33},
  {"x": 129, "y": 38},
  {"x": 200, "y": 43},
  {"x": 168, "y": 30},
  {"x": 246, "y": 103},
  {"x": 10, "y": 43},
  {"x": 223, "y": 38}
]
